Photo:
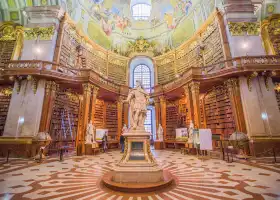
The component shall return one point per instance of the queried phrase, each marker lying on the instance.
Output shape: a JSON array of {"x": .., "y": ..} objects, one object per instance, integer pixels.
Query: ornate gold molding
[
  {"x": 43, "y": 33},
  {"x": 34, "y": 83},
  {"x": 6, "y": 91},
  {"x": 249, "y": 80},
  {"x": 270, "y": 30},
  {"x": 277, "y": 87},
  {"x": 266, "y": 77},
  {"x": 10, "y": 31},
  {"x": 71, "y": 95},
  {"x": 194, "y": 87},
  {"x": 240, "y": 28}
]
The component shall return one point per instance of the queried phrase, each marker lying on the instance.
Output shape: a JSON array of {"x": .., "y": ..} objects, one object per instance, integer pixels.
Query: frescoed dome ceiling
[{"x": 116, "y": 24}]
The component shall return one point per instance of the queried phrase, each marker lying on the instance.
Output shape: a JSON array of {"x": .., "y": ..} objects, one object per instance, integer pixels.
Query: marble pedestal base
[{"x": 138, "y": 168}]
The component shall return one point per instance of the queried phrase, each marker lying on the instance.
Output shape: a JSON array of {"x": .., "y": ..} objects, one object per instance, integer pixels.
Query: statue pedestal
[{"x": 138, "y": 168}]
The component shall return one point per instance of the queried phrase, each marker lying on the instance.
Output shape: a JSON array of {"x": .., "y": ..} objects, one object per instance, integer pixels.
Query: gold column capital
[
  {"x": 162, "y": 99},
  {"x": 95, "y": 90},
  {"x": 194, "y": 86},
  {"x": 87, "y": 87},
  {"x": 186, "y": 88}
]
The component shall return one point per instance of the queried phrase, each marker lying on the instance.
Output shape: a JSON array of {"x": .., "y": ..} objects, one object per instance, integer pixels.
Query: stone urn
[{"x": 41, "y": 141}]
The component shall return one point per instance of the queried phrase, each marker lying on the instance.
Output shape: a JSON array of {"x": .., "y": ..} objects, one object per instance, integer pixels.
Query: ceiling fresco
[{"x": 111, "y": 24}]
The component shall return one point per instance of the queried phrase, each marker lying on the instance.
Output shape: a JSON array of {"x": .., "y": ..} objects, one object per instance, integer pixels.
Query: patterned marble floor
[{"x": 79, "y": 178}]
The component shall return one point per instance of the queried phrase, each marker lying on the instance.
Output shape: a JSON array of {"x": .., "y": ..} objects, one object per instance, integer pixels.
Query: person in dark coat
[
  {"x": 104, "y": 142},
  {"x": 122, "y": 139}
]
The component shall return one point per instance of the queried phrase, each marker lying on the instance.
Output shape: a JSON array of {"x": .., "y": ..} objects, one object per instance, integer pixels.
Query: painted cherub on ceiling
[{"x": 112, "y": 14}]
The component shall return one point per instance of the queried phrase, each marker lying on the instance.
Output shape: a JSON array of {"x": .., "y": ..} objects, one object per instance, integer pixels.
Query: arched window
[
  {"x": 142, "y": 73},
  {"x": 141, "y": 11}
]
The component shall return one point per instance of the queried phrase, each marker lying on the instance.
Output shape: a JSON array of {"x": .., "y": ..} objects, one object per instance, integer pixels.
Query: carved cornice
[
  {"x": 242, "y": 28},
  {"x": 44, "y": 12}
]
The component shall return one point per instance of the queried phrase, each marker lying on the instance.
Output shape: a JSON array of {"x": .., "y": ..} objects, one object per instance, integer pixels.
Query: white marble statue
[
  {"x": 160, "y": 133},
  {"x": 138, "y": 99},
  {"x": 190, "y": 139},
  {"x": 90, "y": 133},
  {"x": 124, "y": 129}
]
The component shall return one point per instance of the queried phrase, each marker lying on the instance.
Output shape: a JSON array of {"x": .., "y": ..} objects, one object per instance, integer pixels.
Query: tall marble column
[
  {"x": 242, "y": 28},
  {"x": 23, "y": 118},
  {"x": 119, "y": 114},
  {"x": 261, "y": 113},
  {"x": 93, "y": 102},
  {"x": 163, "y": 115},
  {"x": 47, "y": 110},
  {"x": 189, "y": 104},
  {"x": 194, "y": 88},
  {"x": 236, "y": 104}
]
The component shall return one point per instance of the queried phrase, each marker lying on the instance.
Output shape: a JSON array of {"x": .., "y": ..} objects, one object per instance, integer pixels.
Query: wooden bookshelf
[
  {"x": 4, "y": 107},
  {"x": 112, "y": 118},
  {"x": 6, "y": 51},
  {"x": 98, "y": 115},
  {"x": 218, "y": 112},
  {"x": 172, "y": 112},
  {"x": 64, "y": 121}
]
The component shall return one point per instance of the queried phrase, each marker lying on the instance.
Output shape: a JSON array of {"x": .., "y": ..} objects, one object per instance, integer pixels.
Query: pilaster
[
  {"x": 49, "y": 100},
  {"x": 85, "y": 115},
  {"x": 157, "y": 115},
  {"x": 119, "y": 113},
  {"x": 189, "y": 103},
  {"x": 194, "y": 88},
  {"x": 233, "y": 89},
  {"x": 93, "y": 102},
  {"x": 125, "y": 112},
  {"x": 163, "y": 115}
]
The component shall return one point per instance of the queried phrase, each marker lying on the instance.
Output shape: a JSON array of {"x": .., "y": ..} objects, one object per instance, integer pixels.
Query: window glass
[
  {"x": 141, "y": 11},
  {"x": 142, "y": 73}
]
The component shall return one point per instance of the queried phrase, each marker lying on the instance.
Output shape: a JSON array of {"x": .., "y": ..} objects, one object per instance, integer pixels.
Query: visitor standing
[
  {"x": 104, "y": 142},
  {"x": 122, "y": 139}
]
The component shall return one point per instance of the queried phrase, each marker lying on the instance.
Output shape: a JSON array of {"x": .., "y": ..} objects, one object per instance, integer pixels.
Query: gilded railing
[
  {"x": 232, "y": 67},
  {"x": 226, "y": 67},
  {"x": 50, "y": 69}
]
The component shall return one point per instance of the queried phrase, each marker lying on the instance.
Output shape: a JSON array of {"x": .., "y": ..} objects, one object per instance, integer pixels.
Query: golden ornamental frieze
[
  {"x": 10, "y": 31},
  {"x": 42, "y": 33},
  {"x": 6, "y": 91},
  {"x": 242, "y": 28}
]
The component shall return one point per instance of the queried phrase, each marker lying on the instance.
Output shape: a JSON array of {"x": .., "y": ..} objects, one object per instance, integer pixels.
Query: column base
[
  {"x": 18, "y": 147},
  {"x": 264, "y": 147}
]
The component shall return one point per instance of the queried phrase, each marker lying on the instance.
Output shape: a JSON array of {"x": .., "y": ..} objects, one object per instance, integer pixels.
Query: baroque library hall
[{"x": 140, "y": 99}]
